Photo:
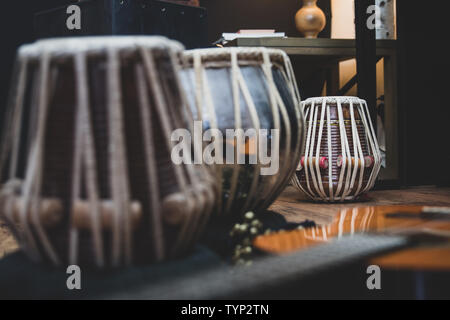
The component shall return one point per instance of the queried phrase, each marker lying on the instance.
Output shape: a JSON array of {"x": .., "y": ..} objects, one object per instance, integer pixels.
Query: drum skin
[{"x": 214, "y": 67}]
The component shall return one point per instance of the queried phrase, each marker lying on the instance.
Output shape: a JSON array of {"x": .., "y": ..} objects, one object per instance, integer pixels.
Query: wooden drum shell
[
  {"x": 361, "y": 168},
  {"x": 109, "y": 194}
]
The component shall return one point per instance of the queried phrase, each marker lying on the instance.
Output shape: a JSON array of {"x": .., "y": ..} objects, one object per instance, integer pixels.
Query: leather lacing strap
[
  {"x": 278, "y": 106},
  {"x": 33, "y": 180},
  {"x": 156, "y": 90},
  {"x": 175, "y": 103},
  {"x": 237, "y": 127},
  {"x": 151, "y": 165},
  {"x": 121, "y": 240},
  {"x": 204, "y": 98},
  {"x": 290, "y": 79},
  {"x": 257, "y": 126},
  {"x": 373, "y": 144},
  {"x": 206, "y": 191},
  {"x": 84, "y": 156}
]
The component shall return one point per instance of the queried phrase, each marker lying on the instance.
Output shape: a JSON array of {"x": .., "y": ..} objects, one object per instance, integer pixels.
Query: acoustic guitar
[{"x": 428, "y": 228}]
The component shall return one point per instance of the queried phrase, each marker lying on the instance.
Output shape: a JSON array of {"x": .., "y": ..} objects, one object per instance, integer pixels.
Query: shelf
[{"x": 340, "y": 49}]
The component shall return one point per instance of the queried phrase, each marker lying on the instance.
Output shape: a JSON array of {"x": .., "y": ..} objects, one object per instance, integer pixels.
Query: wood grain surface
[{"x": 296, "y": 208}]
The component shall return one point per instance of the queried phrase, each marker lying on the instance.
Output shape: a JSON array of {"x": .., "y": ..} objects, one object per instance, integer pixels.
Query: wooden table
[
  {"x": 296, "y": 208},
  {"x": 376, "y": 205}
]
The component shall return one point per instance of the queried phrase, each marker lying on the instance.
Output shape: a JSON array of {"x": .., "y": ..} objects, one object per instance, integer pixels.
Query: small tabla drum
[
  {"x": 341, "y": 159},
  {"x": 246, "y": 90},
  {"x": 87, "y": 176}
]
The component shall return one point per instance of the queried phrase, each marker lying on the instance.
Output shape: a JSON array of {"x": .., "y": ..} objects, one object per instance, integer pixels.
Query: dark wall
[
  {"x": 16, "y": 24},
  {"x": 16, "y": 28},
  {"x": 425, "y": 104},
  {"x": 232, "y": 15}
]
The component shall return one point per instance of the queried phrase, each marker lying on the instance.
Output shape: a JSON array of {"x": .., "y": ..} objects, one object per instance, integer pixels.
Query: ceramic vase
[{"x": 310, "y": 19}]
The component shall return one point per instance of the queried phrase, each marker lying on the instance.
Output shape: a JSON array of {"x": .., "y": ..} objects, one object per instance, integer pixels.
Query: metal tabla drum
[
  {"x": 249, "y": 89},
  {"x": 341, "y": 159},
  {"x": 87, "y": 176}
]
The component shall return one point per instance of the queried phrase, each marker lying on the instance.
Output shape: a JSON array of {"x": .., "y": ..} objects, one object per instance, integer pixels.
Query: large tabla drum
[
  {"x": 246, "y": 90},
  {"x": 87, "y": 176},
  {"x": 341, "y": 159}
]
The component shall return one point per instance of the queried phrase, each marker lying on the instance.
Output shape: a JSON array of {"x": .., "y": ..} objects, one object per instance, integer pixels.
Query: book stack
[{"x": 253, "y": 33}]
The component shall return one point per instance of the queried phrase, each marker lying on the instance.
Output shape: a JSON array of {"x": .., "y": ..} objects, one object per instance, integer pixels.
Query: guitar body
[{"x": 429, "y": 232}]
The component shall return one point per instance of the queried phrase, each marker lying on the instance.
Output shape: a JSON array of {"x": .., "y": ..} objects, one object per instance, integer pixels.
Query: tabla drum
[
  {"x": 87, "y": 176},
  {"x": 252, "y": 93},
  {"x": 341, "y": 159}
]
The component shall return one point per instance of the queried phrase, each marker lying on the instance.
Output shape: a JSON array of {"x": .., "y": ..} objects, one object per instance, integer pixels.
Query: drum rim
[
  {"x": 244, "y": 54},
  {"x": 334, "y": 99},
  {"x": 94, "y": 45}
]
